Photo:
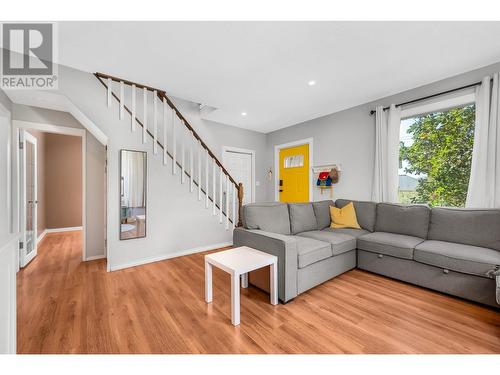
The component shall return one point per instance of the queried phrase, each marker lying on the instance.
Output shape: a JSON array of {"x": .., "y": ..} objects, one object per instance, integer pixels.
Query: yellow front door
[{"x": 294, "y": 174}]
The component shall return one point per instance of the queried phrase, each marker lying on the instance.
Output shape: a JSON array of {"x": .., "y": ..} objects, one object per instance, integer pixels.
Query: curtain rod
[{"x": 372, "y": 112}]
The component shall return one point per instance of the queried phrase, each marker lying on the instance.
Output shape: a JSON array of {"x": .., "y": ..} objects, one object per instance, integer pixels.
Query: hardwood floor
[{"x": 67, "y": 306}]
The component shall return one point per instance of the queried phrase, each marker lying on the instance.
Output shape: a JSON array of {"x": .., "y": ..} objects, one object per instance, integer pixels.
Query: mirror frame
[{"x": 120, "y": 194}]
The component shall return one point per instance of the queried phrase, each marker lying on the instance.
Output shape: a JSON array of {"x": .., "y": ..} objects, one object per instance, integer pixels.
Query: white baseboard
[
  {"x": 95, "y": 257},
  {"x": 42, "y": 235},
  {"x": 170, "y": 256},
  {"x": 65, "y": 229}
]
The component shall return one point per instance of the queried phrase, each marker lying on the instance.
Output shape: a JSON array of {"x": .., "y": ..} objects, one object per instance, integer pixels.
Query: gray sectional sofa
[{"x": 455, "y": 251}]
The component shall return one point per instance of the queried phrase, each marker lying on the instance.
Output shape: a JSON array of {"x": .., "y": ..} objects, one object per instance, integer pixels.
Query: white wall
[
  {"x": 8, "y": 242},
  {"x": 5, "y": 167},
  {"x": 95, "y": 178},
  {"x": 348, "y": 137}
]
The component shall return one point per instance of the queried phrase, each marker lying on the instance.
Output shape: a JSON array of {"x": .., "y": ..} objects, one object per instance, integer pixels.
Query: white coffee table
[{"x": 238, "y": 262}]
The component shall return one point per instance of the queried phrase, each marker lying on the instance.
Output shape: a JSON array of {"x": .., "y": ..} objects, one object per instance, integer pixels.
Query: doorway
[
  {"x": 240, "y": 163},
  {"x": 49, "y": 172},
  {"x": 293, "y": 163}
]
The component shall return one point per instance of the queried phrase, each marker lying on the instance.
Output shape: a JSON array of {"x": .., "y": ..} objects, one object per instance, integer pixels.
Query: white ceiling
[{"x": 262, "y": 68}]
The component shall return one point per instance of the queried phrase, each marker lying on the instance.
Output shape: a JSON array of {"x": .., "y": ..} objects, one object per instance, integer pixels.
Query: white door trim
[
  {"x": 25, "y": 258},
  {"x": 277, "y": 148},
  {"x": 5, "y": 112},
  {"x": 17, "y": 126},
  {"x": 242, "y": 151}
]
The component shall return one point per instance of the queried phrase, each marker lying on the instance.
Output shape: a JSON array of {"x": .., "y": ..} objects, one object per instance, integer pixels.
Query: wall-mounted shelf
[{"x": 326, "y": 167}]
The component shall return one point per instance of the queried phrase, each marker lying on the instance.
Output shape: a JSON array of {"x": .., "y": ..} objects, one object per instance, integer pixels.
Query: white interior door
[
  {"x": 239, "y": 165},
  {"x": 29, "y": 199}
]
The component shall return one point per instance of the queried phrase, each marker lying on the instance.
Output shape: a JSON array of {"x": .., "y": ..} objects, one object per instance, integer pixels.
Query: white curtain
[
  {"x": 385, "y": 178},
  {"x": 133, "y": 178},
  {"x": 484, "y": 184}
]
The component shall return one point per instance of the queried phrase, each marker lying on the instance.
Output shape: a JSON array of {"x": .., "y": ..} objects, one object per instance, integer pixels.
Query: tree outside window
[{"x": 435, "y": 157}]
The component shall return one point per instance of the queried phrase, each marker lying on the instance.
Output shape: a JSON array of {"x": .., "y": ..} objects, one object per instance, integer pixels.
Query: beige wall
[
  {"x": 59, "y": 185},
  {"x": 63, "y": 181}
]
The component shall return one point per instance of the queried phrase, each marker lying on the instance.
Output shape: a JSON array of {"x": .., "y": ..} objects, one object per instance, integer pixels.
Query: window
[
  {"x": 435, "y": 157},
  {"x": 294, "y": 161}
]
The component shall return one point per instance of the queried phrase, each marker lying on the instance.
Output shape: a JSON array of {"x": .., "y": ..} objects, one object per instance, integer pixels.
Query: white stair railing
[{"x": 229, "y": 195}]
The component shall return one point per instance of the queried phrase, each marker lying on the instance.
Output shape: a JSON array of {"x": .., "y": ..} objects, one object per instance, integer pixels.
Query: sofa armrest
[{"x": 282, "y": 246}]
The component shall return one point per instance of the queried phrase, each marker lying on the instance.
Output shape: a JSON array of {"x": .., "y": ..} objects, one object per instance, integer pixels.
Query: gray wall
[
  {"x": 95, "y": 176},
  {"x": 348, "y": 137}
]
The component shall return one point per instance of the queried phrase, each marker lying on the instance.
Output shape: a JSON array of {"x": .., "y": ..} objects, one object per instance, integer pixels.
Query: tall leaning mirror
[{"x": 133, "y": 177}]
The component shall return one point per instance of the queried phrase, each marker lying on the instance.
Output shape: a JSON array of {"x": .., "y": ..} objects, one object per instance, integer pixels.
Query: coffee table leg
[
  {"x": 235, "y": 299},
  {"x": 244, "y": 280},
  {"x": 208, "y": 282},
  {"x": 274, "y": 283}
]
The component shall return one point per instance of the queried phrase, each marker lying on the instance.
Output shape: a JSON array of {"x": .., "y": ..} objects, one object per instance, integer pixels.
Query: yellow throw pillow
[{"x": 344, "y": 217}]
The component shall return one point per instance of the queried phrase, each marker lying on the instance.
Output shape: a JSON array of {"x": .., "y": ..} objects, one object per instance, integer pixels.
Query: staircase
[{"x": 158, "y": 120}]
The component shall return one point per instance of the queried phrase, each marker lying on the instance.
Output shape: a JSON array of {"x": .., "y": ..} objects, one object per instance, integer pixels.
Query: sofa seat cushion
[
  {"x": 457, "y": 257},
  {"x": 310, "y": 251},
  {"x": 395, "y": 245},
  {"x": 350, "y": 231},
  {"x": 340, "y": 242}
]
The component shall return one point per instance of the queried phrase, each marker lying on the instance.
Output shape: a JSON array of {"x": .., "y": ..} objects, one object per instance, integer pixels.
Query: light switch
[{"x": 257, "y": 183}]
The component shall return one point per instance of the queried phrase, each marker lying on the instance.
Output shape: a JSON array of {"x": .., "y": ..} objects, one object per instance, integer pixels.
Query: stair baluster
[
  {"x": 165, "y": 143},
  {"x": 134, "y": 113},
  {"x": 228, "y": 188},
  {"x": 155, "y": 124},
  {"x": 145, "y": 115}
]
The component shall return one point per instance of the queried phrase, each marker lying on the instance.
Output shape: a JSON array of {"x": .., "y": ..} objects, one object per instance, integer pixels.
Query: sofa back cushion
[
  {"x": 366, "y": 212},
  {"x": 322, "y": 213},
  {"x": 476, "y": 227},
  {"x": 302, "y": 218},
  {"x": 410, "y": 220},
  {"x": 270, "y": 217}
]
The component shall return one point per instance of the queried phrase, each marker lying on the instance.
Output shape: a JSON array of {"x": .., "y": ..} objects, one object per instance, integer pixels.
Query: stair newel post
[
  {"x": 233, "y": 204},
  {"x": 240, "y": 203},
  {"x": 221, "y": 174},
  {"x": 226, "y": 183}
]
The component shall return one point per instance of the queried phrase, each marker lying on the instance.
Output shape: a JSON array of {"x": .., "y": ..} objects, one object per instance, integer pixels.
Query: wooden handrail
[
  {"x": 161, "y": 94},
  {"x": 100, "y": 79}
]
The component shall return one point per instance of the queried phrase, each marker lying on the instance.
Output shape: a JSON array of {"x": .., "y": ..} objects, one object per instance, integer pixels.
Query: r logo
[{"x": 34, "y": 41}]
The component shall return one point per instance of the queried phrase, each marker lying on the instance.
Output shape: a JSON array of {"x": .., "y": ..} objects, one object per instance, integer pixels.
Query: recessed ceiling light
[
  {"x": 311, "y": 83},
  {"x": 243, "y": 113}
]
